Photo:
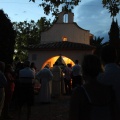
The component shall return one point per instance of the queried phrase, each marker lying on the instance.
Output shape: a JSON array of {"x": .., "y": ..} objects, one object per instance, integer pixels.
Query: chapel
[{"x": 65, "y": 40}]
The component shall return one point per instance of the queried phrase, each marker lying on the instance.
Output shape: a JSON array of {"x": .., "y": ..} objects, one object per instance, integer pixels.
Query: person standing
[
  {"x": 26, "y": 89},
  {"x": 67, "y": 78},
  {"x": 9, "y": 89},
  {"x": 44, "y": 76},
  {"x": 3, "y": 83},
  {"x": 92, "y": 100},
  {"x": 18, "y": 67},
  {"x": 33, "y": 67},
  {"x": 111, "y": 75},
  {"x": 56, "y": 82},
  {"x": 76, "y": 74}
]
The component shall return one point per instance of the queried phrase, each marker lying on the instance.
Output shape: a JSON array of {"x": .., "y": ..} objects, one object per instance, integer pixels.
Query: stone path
[{"x": 57, "y": 110}]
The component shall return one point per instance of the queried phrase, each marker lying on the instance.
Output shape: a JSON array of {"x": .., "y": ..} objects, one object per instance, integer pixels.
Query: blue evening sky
[{"x": 89, "y": 15}]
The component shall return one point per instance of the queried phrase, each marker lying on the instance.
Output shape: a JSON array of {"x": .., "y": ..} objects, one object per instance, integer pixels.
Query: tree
[
  {"x": 97, "y": 42},
  {"x": 114, "y": 37},
  {"x": 7, "y": 38},
  {"x": 28, "y": 33},
  {"x": 114, "y": 34},
  {"x": 44, "y": 24},
  {"x": 112, "y": 5},
  {"x": 53, "y": 5}
]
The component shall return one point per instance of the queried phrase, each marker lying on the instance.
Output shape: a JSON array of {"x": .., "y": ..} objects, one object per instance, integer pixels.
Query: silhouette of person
[
  {"x": 76, "y": 74},
  {"x": 18, "y": 67},
  {"x": 9, "y": 89},
  {"x": 33, "y": 67},
  {"x": 26, "y": 89},
  {"x": 67, "y": 78},
  {"x": 45, "y": 76},
  {"x": 111, "y": 75},
  {"x": 56, "y": 82},
  {"x": 3, "y": 83},
  {"x": 91, "y": 101}
]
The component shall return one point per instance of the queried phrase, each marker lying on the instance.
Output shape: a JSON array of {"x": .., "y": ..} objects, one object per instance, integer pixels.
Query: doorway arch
[{"x": 50, "y": 62}]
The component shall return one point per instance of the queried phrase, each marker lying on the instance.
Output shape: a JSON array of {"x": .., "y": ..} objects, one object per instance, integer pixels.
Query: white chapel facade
[
  {"x": 65, "y": 38},
  {"x": 66, "y": 29}
]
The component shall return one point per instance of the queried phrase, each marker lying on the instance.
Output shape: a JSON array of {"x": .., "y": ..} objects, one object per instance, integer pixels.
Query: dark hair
[
  {"x": 32, "y": 65},
  {"x": 27, "y": 63},
  {"x": 56, "y": 63},
  {"x": 19, "y": 66},
  {"x": 69, "y": 65},
  {"x": 108, "y": 54},
  {"x": 76, "y": 61},
  {"x": 91, "y": 65}
]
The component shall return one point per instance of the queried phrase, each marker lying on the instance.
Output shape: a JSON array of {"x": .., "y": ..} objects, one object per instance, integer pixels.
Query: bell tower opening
[{"x": 65, "y": 18}]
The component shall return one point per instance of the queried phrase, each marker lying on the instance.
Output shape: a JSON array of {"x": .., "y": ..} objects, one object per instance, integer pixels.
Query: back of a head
[
  {"x": 32, "y": 65},
  {"x": 69, "y": 65},
  {"x": 56, "y": 63},
  {"x": 27, "y": 63},
  {"x": 91, "y": 66},
  {"x": 108, "y": 54},
  {"x": 46, "y": 66},
  {"x": 76, "y": 61}
]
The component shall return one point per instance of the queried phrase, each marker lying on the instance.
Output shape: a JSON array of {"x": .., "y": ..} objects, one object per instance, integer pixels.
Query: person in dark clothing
[
  {"x": 67, "y": 78},
  {"x": 92, "y": 100},
  {"x": 76, "y": 74},
  {"x": 26, "y": 89},
  {"x": 9, "y": 90},
  {"x": 3, "y": 83}
]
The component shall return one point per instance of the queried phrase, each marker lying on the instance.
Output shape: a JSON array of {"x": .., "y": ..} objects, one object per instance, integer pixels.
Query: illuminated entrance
[{"x": 52, "y": 60}]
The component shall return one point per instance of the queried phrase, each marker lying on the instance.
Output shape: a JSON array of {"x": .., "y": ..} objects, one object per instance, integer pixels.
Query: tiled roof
[{"x": 62, "y": 45}]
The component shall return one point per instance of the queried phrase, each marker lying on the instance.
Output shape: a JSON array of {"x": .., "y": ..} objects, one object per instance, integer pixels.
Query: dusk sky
[{"x": 89, "y": 15}]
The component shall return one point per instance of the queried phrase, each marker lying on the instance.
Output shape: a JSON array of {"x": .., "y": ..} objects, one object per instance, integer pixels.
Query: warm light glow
[
  {"x": 52, "y": 60},
  {"x": 64, "y": 38}
]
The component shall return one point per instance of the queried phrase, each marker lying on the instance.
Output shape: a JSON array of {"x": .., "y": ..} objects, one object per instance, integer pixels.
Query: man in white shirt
[{"x": 26, "y": 88}]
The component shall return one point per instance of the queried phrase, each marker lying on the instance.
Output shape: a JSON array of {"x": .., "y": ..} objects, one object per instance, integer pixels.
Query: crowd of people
[
  {"x": 93, "y": 86},
  {"x": 99, "y": 97},
  {"x": 16, "y": 85}
]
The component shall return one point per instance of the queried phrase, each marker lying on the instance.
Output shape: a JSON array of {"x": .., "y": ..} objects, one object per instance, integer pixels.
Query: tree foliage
[
  {"x": 53, "y": 5},
  {"x": 7, "y": 38},
  {"x": 44, "y": 24},
  {"x": 112, "y": 5},
  {"x": 28, "y": 33},
  {"x": 114, "y": 33},
  {"x": 114, "y": 37},
  {"x": 97, "y": 42}
]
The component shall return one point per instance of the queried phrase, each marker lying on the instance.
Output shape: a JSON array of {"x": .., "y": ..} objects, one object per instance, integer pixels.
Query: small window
[
  {"x": 65, "y": 18},
  {"x": 64, "y": 38},
  {"x": 34, "y": 57}
]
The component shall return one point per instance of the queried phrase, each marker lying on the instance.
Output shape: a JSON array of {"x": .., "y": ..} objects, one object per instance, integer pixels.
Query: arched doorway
[{"x": 50, "y": 62}]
